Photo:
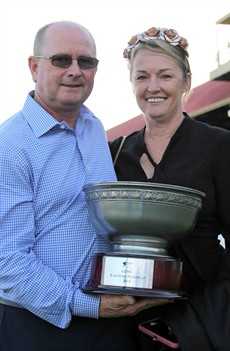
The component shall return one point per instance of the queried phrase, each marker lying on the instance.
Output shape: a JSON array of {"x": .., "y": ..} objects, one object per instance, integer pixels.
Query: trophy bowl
[{"x": 142, "y": 221}]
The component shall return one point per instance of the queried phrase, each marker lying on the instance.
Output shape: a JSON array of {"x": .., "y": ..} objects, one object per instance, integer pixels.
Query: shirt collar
[{"x": 41, "y": 121}]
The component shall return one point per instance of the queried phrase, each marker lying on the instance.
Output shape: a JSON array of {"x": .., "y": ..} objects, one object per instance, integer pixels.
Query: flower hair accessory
[{"x": 169, "y": 35}]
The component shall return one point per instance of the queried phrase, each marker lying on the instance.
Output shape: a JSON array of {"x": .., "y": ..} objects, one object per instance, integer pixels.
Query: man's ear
[{"x": 32, "y": 63}]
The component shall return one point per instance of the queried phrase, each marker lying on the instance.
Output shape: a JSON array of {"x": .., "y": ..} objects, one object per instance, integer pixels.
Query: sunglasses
[{"x": 64, "y": 61}]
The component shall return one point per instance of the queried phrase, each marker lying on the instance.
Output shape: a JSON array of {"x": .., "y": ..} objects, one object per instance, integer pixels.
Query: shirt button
[{"x": 62, "y": 126}]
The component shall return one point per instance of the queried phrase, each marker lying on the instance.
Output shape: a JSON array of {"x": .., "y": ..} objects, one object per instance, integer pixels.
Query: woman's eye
[
  {"x": 166, "y": 76},
  {"x": 140, "y": 77}
]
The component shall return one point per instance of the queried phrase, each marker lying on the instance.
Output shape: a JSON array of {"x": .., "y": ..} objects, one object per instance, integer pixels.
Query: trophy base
[
  {"x": 125, "y": 274},
  {"x": 136, "y": 292}
]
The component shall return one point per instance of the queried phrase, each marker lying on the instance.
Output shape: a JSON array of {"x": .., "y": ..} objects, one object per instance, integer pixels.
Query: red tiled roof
[
  {"x": 204, "y": 98},
  {"x": 208, "y": 96},
  {"x": 126, "y": 128}
]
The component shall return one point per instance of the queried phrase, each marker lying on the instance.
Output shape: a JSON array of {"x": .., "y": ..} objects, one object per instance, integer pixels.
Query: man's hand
[{"x": 124, "y": 305}]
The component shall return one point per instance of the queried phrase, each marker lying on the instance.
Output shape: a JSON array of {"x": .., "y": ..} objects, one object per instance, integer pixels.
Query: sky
[{"x": 112, "y": 24}]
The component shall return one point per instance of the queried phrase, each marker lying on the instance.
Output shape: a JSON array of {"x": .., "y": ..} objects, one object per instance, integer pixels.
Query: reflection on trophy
[{"x": 142, "y": 221}]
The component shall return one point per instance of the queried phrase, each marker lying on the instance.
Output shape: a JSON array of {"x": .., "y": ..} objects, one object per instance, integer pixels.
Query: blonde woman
[{"x": 173, "y": 148}]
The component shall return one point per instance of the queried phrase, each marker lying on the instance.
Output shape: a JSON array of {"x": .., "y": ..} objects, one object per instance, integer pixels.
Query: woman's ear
[{"x": 188, "y": 82}]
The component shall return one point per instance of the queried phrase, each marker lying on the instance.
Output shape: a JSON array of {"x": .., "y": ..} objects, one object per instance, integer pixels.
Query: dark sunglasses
[{"x": 64, "y": 61}]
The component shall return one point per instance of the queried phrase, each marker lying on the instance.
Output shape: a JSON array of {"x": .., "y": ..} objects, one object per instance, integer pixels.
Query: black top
[{"x": 197, "y": 156}]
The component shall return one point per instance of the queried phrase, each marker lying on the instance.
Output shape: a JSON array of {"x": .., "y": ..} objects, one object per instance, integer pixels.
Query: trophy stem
[{"x": 141, "y": 245}]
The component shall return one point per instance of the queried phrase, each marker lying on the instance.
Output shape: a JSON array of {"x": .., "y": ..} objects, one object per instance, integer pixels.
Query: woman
[{"x": 175, "y": 149}]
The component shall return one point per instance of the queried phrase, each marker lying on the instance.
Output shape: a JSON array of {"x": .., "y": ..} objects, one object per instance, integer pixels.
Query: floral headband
[{"x": 169, "y": 35}]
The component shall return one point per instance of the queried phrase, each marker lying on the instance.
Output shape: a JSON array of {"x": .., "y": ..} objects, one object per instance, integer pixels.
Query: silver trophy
[{"x": 142, "y": 221}]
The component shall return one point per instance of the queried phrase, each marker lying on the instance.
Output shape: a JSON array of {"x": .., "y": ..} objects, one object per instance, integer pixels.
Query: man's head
[{"x": 63, "y": 67}]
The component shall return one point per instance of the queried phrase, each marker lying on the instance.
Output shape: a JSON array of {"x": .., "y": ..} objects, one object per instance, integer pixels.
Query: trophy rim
[{"x": 130, "y": 185}]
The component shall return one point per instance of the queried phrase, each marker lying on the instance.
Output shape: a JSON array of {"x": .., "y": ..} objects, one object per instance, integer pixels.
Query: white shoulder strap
[{"x": 119, "y": 149}]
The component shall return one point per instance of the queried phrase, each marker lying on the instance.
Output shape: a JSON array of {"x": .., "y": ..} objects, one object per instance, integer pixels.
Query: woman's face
[{"x": 158, "y": 84}]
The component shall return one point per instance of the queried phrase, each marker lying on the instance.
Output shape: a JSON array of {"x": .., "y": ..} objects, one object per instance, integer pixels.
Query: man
[{"x": 49, "y": 150}]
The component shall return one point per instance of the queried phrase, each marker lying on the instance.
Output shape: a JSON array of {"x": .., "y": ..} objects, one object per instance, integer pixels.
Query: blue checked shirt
[{"x": 46, "y": 237}]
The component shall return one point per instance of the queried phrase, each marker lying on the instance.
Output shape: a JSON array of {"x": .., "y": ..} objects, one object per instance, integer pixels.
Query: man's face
[{"x": 63, "y": 90}]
